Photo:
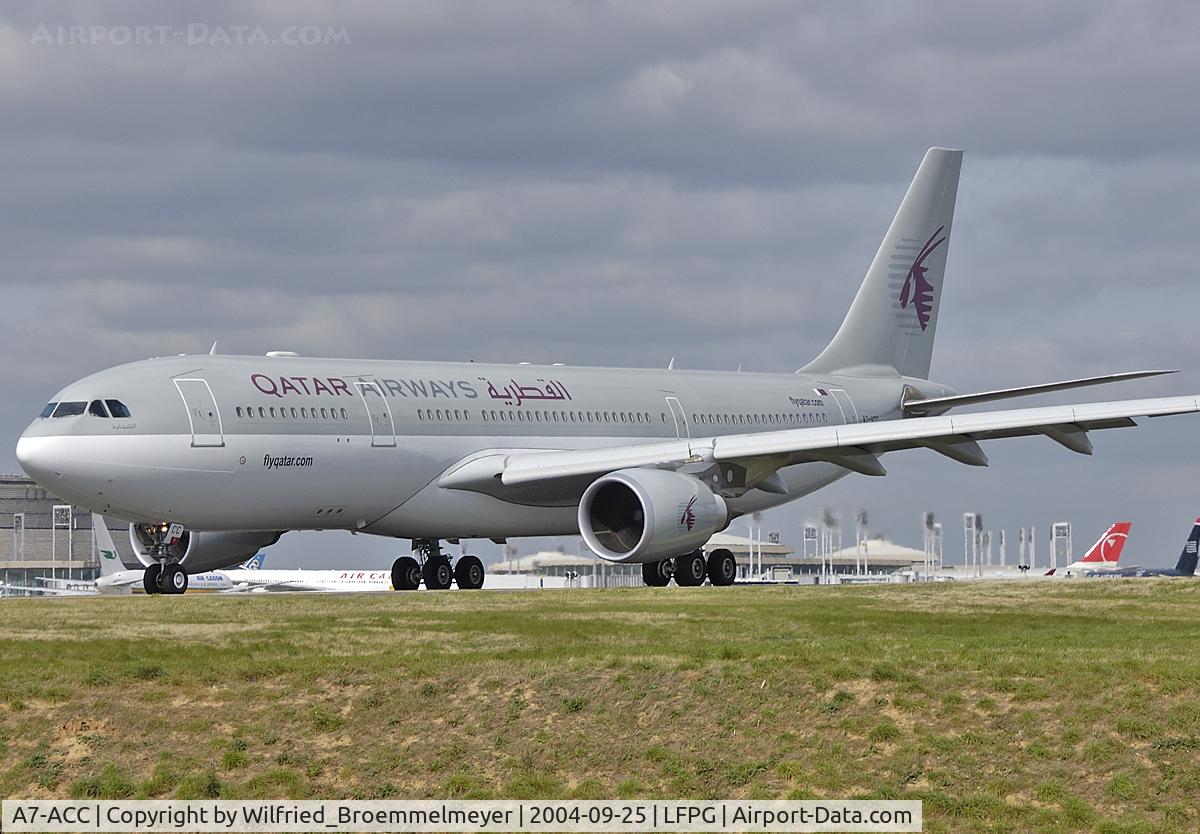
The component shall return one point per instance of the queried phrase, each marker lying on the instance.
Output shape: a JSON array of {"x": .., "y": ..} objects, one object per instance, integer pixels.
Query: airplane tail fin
[
  {"x": 255, "y": 562},
  {"x": 1187, "y": 558},
  {"x": 110, "y": 560},
  {"x": 1106, "y": 552},
  {"x": 892, "y": 321},
  {"x": 1050, "y": 572}
]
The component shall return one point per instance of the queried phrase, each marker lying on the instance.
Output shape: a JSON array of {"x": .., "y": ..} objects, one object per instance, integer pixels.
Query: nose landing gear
[
  {"x": 435, "y": 569},
  {"x": 163, "y": 576}
]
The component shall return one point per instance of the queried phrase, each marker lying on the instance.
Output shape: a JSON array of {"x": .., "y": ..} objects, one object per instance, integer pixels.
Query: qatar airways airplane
[{"x": 210, "y": 457}]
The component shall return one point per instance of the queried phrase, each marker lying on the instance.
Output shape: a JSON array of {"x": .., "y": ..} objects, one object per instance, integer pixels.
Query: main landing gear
[
  {"x": 691, "y": 569},
  {"x": 435, "y": 570},
  {"x": 163, "y": 577}
]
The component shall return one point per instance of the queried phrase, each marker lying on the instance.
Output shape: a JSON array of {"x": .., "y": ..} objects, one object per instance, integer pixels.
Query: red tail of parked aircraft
[{"x": 1106, "y": 552}]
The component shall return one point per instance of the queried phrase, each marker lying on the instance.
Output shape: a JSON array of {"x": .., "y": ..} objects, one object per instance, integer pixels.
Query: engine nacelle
[
  {"x": 200, "y": 552},
  {"x": 643, "y": 515}
]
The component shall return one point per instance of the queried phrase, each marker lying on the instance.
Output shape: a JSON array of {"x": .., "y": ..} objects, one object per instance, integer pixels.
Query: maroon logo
[
  {"x": 688, "y": 519},
  {"x": 916, "y": 288}
]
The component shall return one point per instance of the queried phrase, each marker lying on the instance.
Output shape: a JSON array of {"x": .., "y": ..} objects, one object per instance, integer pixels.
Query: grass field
[{"x": 1046, "y": 706}]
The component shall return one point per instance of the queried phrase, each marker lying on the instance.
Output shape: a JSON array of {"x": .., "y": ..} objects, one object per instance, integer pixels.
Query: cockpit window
[
  {"x": 48, "y": 410},
  {"x": 66, "y": 409},
  {"x": 118, "y": 409},
  {"x": 97, "y": 409}
]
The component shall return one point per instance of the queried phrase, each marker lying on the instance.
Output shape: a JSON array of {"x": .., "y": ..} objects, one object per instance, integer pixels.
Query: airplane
[
  {"x": 211, "y": 458},
  {"x": 1185, "y": 566},
  {"x": 1104, "y": 555},
  {"x": 254, "y": 577}
]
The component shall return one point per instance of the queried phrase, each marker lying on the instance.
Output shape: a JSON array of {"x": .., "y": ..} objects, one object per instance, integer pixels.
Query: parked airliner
[
  {"x": 1104, "y": 555},
  {"x": 1185, "y": 566},
  {"x": 211, "y": 457}
]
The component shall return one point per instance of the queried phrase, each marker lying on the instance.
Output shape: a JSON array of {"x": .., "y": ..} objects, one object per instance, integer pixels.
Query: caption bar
[{"x": 153, "y": 815}]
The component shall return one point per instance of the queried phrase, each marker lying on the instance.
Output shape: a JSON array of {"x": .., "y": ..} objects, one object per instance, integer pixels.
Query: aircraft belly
[{"x": 435, "y": 512}]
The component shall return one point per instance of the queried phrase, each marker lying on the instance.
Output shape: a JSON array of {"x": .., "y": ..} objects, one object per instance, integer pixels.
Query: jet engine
[
  {"x": 643, "y": 515},
  {"x": 200, "y": 552}
]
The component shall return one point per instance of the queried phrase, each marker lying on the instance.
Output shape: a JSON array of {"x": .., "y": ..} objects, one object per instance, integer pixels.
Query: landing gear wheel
[
  {"x": 437, "y": 574},
  {"x": 468, "y": 573},
  {"x": 657, "y": 574},
  {"x": 150, "y": 579},
  {"x": 173, "y": 579},
  {"x": 690, "y": 569},
  {"x": 406, "y": 574},
  {"x": 722, "y": 567}
]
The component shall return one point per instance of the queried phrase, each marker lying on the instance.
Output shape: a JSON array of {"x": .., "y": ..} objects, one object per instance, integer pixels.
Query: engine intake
[
  {"x": 643, "y": 515},
  {"x": 200, "y": 552}
]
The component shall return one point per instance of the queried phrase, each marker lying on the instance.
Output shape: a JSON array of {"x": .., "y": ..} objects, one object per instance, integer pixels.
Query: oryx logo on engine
[{"x": 687, "y": 518}]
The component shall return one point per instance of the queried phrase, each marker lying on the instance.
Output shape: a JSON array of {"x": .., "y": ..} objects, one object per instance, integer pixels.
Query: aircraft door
[
  {"x": 682, "y": 430},
  {"x": 849, "y": 412},
  {"x": 383, "y": 429},
  {"x": 203, "y": 414}
]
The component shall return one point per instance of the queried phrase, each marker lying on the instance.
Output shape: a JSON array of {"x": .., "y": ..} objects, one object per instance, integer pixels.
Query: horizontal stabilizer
[{"x": 937, "y": 405}]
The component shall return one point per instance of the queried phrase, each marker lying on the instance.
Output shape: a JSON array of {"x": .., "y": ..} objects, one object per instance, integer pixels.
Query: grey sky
[{"x": 620, "y": 183}]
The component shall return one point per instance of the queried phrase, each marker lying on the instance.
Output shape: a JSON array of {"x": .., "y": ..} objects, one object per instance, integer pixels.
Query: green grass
[{"x": 1055, "y": 706}]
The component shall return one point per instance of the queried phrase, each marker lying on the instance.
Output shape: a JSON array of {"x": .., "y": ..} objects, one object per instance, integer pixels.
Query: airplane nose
[{"x": 44, "y": 458}]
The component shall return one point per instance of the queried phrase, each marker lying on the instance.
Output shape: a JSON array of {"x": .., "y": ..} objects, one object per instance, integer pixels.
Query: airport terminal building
[{"x": 40, "y": 535}]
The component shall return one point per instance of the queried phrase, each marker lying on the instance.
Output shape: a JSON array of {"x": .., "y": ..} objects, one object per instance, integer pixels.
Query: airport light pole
[
  {"x": 1060, "y": 531},
  {"x": 968, "y": 531}
]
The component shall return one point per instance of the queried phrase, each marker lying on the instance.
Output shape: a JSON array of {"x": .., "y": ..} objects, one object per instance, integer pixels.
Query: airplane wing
[{"x": 855, "y": 447}]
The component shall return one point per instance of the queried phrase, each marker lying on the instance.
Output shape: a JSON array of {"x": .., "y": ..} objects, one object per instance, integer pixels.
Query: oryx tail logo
[
  {"x": 688, "y": 517},
  {"x": 109, "y": 554},
  {"x": 916, "y": 288}
]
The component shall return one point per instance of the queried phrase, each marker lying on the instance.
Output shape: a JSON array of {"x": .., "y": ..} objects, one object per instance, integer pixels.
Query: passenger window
[
  {"x": 344, "y": 416},
  {"x": 48, "y": 410},
  {"x": 69, "y": 409},
  {"x": 239, "y": 411},
  {"x": 272, "y": 412},
  {"x": 97, "y": 409},
  {"x": 118, "y": 410}
]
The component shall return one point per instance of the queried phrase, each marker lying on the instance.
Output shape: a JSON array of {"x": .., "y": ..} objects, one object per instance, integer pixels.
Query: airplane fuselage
[{"x": 291, "y": 443}]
